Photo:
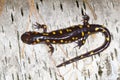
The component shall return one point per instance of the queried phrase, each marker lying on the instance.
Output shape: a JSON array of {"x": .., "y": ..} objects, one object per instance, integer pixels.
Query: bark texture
[{"x": 20, "y": 61}]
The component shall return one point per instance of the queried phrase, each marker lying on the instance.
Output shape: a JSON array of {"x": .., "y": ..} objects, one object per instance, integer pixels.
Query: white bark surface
[{"x": 20, "y": 61}]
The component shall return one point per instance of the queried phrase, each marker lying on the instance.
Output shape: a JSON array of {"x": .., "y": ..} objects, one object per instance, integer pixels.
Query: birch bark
[{"x": 20, "y": 61}]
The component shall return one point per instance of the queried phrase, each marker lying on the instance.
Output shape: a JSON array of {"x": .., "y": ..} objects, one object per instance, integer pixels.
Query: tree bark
[{"x": 19, "y": 61}]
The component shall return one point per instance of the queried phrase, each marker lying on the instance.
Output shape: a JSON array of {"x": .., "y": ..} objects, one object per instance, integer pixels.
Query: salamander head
[{"x": 29, "y": 37}]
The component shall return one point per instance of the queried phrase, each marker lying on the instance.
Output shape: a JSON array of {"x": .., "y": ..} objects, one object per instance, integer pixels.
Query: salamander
[{"x": 77, "y": 33}]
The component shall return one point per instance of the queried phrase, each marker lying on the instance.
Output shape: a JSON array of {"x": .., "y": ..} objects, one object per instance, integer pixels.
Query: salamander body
[{"x": 76, "y": 33}]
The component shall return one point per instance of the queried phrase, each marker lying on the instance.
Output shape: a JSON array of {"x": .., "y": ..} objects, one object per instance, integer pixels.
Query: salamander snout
[{"x": 27, "y": 37}]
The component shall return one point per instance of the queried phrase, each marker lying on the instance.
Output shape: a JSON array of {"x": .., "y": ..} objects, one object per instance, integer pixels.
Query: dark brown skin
[{"x": 74, "y": 33}]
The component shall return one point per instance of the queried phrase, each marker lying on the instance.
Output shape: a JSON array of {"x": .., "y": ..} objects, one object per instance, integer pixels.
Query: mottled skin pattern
[{"x": 74, "y": 33}]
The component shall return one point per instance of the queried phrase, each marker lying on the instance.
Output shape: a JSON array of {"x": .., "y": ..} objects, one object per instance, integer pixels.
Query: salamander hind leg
[
  {"x": 51, "y": 48},
  {"x": 81, "y": 42},
  {"x": 38, "y": 26}
]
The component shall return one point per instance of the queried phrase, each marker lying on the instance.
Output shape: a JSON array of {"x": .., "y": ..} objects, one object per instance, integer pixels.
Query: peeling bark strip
[
  {"x": 2, "y": 3},
  {"x": 15, "y": 17}
]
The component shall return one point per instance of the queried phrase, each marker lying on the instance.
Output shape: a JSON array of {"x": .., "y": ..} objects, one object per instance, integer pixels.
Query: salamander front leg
[
  {"x": 38, "y": 26},
  {"x": 51, "y": 47},
  {"x": 44, "y": 27}
]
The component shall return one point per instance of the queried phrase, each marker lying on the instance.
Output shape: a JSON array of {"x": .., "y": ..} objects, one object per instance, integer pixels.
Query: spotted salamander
[{"x": 76, "y": 33}]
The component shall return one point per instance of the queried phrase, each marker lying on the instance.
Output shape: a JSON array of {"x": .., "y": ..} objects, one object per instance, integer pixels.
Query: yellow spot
[
  {"x": 91, "y": 53},
  {"x": 83, "y": 42},
  {"x": 107, "y": 39},
  {"x": 88, "y": 32},
  {"x": 103, "y": 30},
  {"x": 68, "y": 30},
  {"x": 76, "y": 38},
  {"x": 61, "y": 40},
  {"x": 47, "y": 40},
  {"x": 82, "y": 33},
  {"x": 54, "y": 32},
  {"x": 88, "y": 26},
  {"x": 96, "y": 29},
  {"x": 45, "y": 34},
  {"x": 54, "y": 41},
  {"x": 73, "y": 38},
  {"x": 37, "y": 40},
  {"x": 81, "y": 56},
  {"x": 81, "y": 26},
  {"x": 60, "y": 32}
]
